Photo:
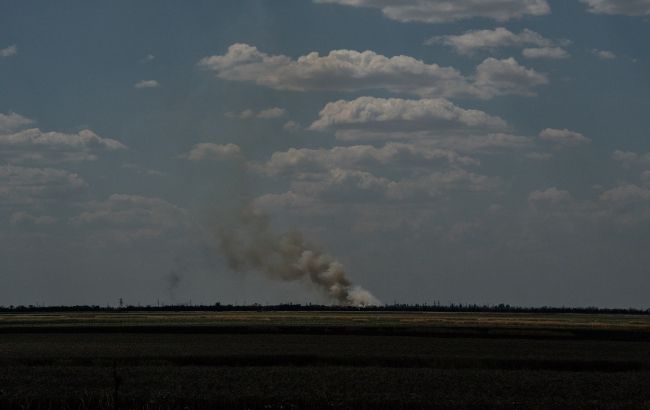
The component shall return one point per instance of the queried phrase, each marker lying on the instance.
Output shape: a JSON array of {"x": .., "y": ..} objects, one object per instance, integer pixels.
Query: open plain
[{"x": 323, "y": 360}]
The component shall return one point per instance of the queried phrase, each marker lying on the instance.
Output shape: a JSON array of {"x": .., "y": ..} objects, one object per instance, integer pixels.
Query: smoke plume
[{"x": 248, "y": 243}]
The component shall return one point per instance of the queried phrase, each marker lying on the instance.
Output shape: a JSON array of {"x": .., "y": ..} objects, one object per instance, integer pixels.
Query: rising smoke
[{"x": 248, "y": 243}]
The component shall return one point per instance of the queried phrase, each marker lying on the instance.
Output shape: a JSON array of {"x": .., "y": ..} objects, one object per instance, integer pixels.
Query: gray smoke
[
  {"x": 173, "y": 280},
  {"x": 248, "y": 243}
]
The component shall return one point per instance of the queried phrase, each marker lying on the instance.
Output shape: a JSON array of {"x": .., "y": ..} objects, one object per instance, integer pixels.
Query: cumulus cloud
[
  {"x": 36, "y": 145},
  {"x": 500, "y": 77},
  {"x": 210, "y": 151},
  {"x": 563, "y": 137},
  {"x": 348, "y": 70},
  {"x": 291, "y": 126},
  {"x": 622, "y": 209},
  {"x": 23, "y": 186},
  {"x": 604, "y": 54},
  {"x": 490, "y": 143},
  {"x": 274, "y": 112},
  {"x": 624, "y": 7},
  {"x": 549, "y": 197},
  {"x": 434, "y": 123},
  {"x": 467, "y": 143},
  {"x": 438, "y": 183},
  {"x": 626, "y": 194},
  {"x": 12, "y": 121},
  {"x": 485, "y": 144},
  {"x": 627, "y": 206},
  {"x": 400, "y": 114},
  {"x": 304, "y": 160},
  {"x": 128, "y": 217},
  {"x": 554, "y": 53},
  {"x": 479, "y": 40},
  {"x": 341, "y": 185},
  {"x": 288, "y": 199},
  {"x": 147, "y": 84},
  {"x": 411, "y": 172},
  {"x": 631, "y": 159},
  {"x": 344, "y": 70},
  {"x": 266, "y": 114},
  {"x": 440, "y": 11},
  {"x": 12, "y": 50}
]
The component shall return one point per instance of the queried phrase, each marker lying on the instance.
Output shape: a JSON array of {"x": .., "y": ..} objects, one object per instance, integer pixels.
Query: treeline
[{"x": 396, "y": 307}]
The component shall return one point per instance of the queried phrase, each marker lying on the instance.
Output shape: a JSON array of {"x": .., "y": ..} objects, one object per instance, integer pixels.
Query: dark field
[{"x": 323, "y": 360}]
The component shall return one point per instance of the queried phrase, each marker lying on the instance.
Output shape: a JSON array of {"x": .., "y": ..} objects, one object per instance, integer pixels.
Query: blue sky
[{"x": 492, "y": 152}]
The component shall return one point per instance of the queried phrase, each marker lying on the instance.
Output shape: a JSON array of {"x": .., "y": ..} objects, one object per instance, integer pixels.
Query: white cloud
[
  {"x": 266, "y": 114},
  {"x": 489, "y": 143},
  {"x": 554, "y": 53},
  {"x": 486, "y": 143},
  {"x": 400, "y": 114},
  {"x": 624, "y": 208},
  {"x": 22, "y": 186},
  {"x": 36, "y": 145},
  {"x": 344, "y": 70},
  {"x": 274, "y": 112},
  {"x": 434, "y": 123},
  {"x": 439, "y": 183},
  {"x": 500, "y": 77},
  {"x": 478, "y": 40},
  {"x": 631, "y": 159},
  {"x": 147, "y": 84},
  {"x": 9, "y": 51},
  {"x": 627, "y": 206},
  {"x": 549, "y": 197},
  {"x": 210, "y": 151},
  {"x": 130, "y": 217},
  {"x": 348, "y": 70},
  {"x": 604, "y": 54},
  {"x": 288, "y": 199},
  {"x": 440, "y": 11},
  {"x": 148, "y": 58},
  {"x": 563, "y": 137},
  {"x": 12, "y": 121},
  {"x": 340, "y": 185},
  {"x": 624, "y": 7},
  {"x": 244, "y": 115},
  {"x": 626, "y": 194},
  {"x": 291, "y": 126},
  {"x": 298, "y": 161}
]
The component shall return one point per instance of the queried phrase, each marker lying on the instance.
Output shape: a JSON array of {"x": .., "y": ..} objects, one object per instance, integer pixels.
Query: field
[{"x": 282, "y": 360}]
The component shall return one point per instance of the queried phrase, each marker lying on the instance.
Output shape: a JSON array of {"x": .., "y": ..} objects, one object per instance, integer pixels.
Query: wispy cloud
[
  {"x": 266, "y": 114},
  {"x": 443, "y": 11},
  {"x": 9, "y": 51},
  {"x": 147, "y": 84}
]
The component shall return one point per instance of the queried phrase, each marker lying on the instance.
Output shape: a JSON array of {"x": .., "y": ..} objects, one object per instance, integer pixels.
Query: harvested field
[{"x": 323, "y": 360}]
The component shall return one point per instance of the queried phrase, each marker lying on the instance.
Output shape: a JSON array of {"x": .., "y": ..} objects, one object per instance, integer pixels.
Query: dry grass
[{"x": 484, "y": 320}]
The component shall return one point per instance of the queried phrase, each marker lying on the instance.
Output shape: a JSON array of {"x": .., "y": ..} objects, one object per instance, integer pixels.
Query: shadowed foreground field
[{"x": 323, "y": 360}]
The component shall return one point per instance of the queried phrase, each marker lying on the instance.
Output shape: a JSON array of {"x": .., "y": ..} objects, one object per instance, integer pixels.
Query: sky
[{"x": 260, "y": 151}]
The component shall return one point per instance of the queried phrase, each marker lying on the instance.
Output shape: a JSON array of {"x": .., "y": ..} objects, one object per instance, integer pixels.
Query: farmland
[{"x": 323, "y": 360}]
